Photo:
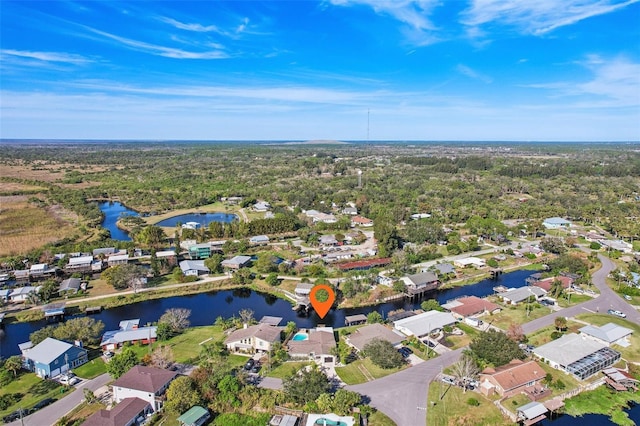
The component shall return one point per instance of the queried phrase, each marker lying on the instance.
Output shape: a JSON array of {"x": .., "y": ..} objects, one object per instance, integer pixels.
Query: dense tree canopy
[
  {"x": 495, "y": 348},
  {"x": 305, "y": 385},
  {"x": 383, "y": 354}
]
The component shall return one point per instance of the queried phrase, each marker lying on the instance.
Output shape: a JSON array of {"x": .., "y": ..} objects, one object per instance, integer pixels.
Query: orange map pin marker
[{"x": 320, "y": 304}]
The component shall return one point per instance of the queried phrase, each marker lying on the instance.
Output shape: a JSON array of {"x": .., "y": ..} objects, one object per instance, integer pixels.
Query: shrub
[
  {"x": 473, "y": 402},
  {"x": 556, "y": 335}
]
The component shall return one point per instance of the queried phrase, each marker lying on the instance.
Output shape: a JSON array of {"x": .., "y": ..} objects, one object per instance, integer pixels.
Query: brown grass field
[{"x": 23, "y": 226}]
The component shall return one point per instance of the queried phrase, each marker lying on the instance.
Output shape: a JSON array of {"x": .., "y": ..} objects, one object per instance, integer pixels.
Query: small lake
[
  {"x": 206, "y": 307},
  {"x": 204, "y": 219},
  {"x": 112, "y": 212},
  {"x": 590, "y": 419}
]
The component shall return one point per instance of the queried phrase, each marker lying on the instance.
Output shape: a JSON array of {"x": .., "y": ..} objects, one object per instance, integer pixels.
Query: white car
[
  {"x": 627, "y": 297},
  {"x": 617, "y": 313},
  {"x": 69, "y": 379}
]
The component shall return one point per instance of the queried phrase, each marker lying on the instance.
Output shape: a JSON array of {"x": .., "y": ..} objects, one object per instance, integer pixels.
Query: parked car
[
  {"x": 429, "y": 343},
  {"x": 69, "y": 379},
  {"x": 617, "y": 313},
  {"x": 256, "y": 368},
  {"x": 627, "y": 297},
  {"x": 546, "y": 302},
  {"x": 449, "y": 380},
  {"x": 15, "y": 415},
  {"x": 249, "y": 365},
  {"x": 405, "y": 352},
  {"x": 43, "y": 403},
  {"x": 108, "y": 354}
]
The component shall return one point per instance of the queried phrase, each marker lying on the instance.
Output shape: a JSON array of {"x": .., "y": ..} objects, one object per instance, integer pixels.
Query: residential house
[
  {"x": 146, "y": 383},
  {"x": 422, "y": 282},
  {"x": 70, "y": 285},
  {"x": 556, "y": 223},
  {"x": 328, "y": 240},
  {"x": 118, "y": 259},
  {"x": 106, "y": 251},
  {"x": 325, "y": 218},
  {"x": 199, "y": 251},
  {"x": 38, "y": 270},
  {"x": 261, "y": 206},
  {"x": 425, "y": 323},
  {"x": 470, "y": 306},
  {"x": 129, "y": 412},
  {"x": 4, "y": 295},
  {"x": 470, "y": 261},
  {"x": 237, "y": 262},
  {"x": 168, "y": 256},
  {"x": 303, "y": 289},
  {"x": 578, "y": 355},
  {"x": 259, "y": 239},
  {"x": 79, "y": 264},
  {"x": 363, "y": 335},
  {"x": 195, "y": 416},
  {"x": 620, "y": 379},
  {"x": 52, "y": 357},
  {"x": 443, "y": 269},
  {"x": 608, "y": 334},
  {"x": 193, "y": 268},
  {"x": 21, "y": 275},
  {"x": 351, "y": 211},
  {"x": 253, "y": 338},
  {"x": 517, "y": 295},
  {"x": 128, "y": 331},
  {"x": 21, "y": 294},
  {"x": 317, "y": 346},
  {"x": 546, "y": 283},
  {"x": 514, "y": 378},
  {"x": 361, "y": 221}
]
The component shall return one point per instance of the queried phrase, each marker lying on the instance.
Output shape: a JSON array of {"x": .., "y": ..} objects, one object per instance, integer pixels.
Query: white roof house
[
  {"x": 470, "y": 261},
  {"x": 556, "y": 222},
  {"x": 165, "y": 253},
  {"x": 236, "y": 262},
  {"x": 423, "y": 324},
  {"x": 115, "y": 338},
  {"x": 259, "y": 239},
  {"x": 21, "y": 294},
  {"x": 193, "y": 267},
  {"x": 608, "y": 334},
  {"x": 517, "y": 295}
]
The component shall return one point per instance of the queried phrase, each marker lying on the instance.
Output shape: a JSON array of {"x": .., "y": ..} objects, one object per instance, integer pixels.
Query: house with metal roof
[
  {"x": 21, "y": 294},
  {"x": 577, "y": 354},
  {"x": 556, "y": 223},
  {"x": 422, "y": 324},
  {"x": 79, "y": 264},
  {"x": 236, "y": 262},
  {"x": 52, "y": 357},
  {"x": 71, "y": 285},
  {"x": 259, "y": 239},
  {"x": 608, "y": 334},
  {"x": 195, "y": 416},
  {"x": 113, "y": 339},
  {"x": 199, "y": 251},
  {"x": 193, "y": 268},
  {"x": 517, "y": 295}
]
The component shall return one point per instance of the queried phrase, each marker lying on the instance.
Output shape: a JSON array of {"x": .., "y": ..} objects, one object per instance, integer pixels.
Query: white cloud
[
  {"x": 190, "y": 27},
  {"x": 419, "y": 29},
  {"x": 155, "y": 49},
  {"x": 614, "y": 83},
  {"x": 536, "y": 17},
  {"x": 465, "y": 70},
  {"x": 68, "y": 58}
]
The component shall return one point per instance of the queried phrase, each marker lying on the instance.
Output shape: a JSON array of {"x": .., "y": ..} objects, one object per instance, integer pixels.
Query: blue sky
[{"x": 547, "y": 70}]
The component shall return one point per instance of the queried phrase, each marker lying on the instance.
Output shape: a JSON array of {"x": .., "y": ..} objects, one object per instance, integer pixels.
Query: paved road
[
  {"x": 49, "y": 415},
  {"x": 403, "y": 396}
]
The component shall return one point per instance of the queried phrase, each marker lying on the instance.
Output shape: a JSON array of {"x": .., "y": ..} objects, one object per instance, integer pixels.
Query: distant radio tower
[
  {"x": 367, "y": 125},
  {"x": 359, "y": 179}
]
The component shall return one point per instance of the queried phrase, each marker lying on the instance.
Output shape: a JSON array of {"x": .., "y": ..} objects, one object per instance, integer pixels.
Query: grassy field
[
  {"x": 287, "y": 368},
  {"x": 543, "y": 335},
  {"x": 379, "y": 419},
  {"x": 83, "y": 411},
  {"x": 518, "y": 314},
  {"x": 630, "y": 353},
  {"x": 454, "y": 410},
  {"x": 92, "y": 369},
  {"x": 33, "y": 390},
  {"x": 26, "y": 226},
  {"x": 363, "y": 370}
]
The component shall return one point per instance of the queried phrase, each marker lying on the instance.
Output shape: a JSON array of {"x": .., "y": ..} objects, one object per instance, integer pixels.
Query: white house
[
  {"x": 193, "y": 267},
  {"x": 556, "y": 223},
  {"x": 422, "y": 324},
  {"x": 317, "y": 344},
  {"x": 21, "y": 294},
  {"x": 470, "y": 261},
  {"x": 517, "y": 295},
  {"x": 146, "y": 383},
  {"x": 608, "y": 334},
  {"x": 253, "y": 338}
]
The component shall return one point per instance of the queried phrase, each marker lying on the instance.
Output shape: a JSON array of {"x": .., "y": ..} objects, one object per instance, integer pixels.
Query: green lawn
[
  {"x": 286, "y": 368},
  {"x": 543, "y": 335},
  {"x": 92, "y": 369},
  {"x": 33, "y": 390},
  {"x": 518, "y": 314},
  {"x": 363, "y": 370},
  {"x": 380, "y": 419},
  {"x": 453, "y": 408}
]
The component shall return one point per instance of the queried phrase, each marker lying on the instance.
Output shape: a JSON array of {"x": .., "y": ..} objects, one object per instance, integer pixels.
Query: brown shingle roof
[
  {"x": 120, "y": 415},
  {"x": 261, "y": 331},
  {"x": 517, "y": 373},
  {"x": 473, "y": 305},
  {"x": 147, "y": 379},
  {"x": 364, "y": 335}
]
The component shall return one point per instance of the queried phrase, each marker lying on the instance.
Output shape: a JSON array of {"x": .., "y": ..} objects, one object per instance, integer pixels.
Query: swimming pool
[{"x": 300, "y": 336}]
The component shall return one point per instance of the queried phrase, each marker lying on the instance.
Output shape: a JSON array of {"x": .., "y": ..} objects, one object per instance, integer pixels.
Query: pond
[
  {"x": 204, "y": 219},
  {"x": 206, "y": 307},
  {"x": 112, "y": 212},
  {"x": 591, "y": 419}
]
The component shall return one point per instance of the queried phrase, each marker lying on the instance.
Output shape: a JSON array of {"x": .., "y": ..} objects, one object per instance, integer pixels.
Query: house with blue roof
[{"x": 52, "y": 357}]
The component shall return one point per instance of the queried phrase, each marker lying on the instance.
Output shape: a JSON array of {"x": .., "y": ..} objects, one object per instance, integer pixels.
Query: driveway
[{"x": 50, "y": 414}]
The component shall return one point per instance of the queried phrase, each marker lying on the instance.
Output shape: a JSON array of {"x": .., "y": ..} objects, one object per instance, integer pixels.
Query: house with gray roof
[
  {"x": 556, "y": 223},
  {"x": 420, "y": 282},
  {"x": 193, "y": 268},
  {"x": 608, "y": 334},
  {"x": 518, "y": 295},
  {"x": 71, "y": 285},
  {"x": 52, "y": 357},
  {"x": 363, "y": 335},
  {"x": 422, "y": 324},
  {"x": 237, "y": 262},
  {"x": 128, "y": 332},
  {"x": 317, "y": 346}
]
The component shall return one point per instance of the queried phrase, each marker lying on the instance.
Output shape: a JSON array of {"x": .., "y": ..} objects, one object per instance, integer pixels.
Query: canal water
[
  {"x": 206, "y": 307},
  {"x": 112, "y": 212}
]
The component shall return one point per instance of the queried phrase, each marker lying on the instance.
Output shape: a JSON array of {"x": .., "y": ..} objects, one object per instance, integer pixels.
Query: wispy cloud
[
  {"x": 190, "y": 27},
  {"x": 154, "y": 49},
  {"x": 465, "y": 70},
  {"x": 536, "y": 17},
  {"x": 68, "y": 58},
  {"x": 419, "y": 29},
  {"x": 614, "y": 83}
]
